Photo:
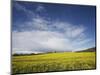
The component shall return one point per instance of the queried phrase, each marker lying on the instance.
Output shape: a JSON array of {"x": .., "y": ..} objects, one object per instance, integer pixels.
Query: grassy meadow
[{"x": 50, "y": 62}]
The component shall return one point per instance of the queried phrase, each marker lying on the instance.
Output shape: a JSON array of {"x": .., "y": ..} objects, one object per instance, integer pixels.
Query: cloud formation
[
  {"x": 43, "y": 35},
  {"x": 40, "y": 8}
]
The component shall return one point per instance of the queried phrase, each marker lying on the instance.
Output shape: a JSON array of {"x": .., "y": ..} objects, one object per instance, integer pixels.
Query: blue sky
[{"x": 45, "y": 27}]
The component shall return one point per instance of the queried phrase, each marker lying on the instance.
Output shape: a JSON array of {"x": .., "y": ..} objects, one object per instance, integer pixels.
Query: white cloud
[
  {"x": 43, "y": 41},
  {"x": 23, "y": 9},
  {"x": 40, "y": 8},
  {"x": 39, "y": 40},
  {"x": 75, "y": 31}
]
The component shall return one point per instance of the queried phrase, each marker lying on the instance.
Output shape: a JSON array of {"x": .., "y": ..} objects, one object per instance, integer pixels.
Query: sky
[{"x": 48, "y": 27}]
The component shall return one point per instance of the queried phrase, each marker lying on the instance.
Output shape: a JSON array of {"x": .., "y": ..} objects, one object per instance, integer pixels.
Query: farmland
[{"x": 51, "y": 62}]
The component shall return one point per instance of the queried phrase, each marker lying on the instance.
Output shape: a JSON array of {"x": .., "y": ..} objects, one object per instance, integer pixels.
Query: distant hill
[{"x": 88, "y": 50}]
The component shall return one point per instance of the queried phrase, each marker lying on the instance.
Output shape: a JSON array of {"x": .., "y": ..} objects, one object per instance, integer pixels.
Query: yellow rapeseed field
[{"x": 51, "y": 62}]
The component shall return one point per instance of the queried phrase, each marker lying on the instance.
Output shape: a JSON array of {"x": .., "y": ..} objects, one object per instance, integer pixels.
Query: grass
[{"x": 50, "y": 62}]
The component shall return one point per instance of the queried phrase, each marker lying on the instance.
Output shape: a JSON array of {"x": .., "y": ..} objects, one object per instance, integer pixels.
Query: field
[{"x": 50, "y": 62}]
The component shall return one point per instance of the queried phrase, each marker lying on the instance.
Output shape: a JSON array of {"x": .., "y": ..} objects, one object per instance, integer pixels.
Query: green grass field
[{"x": 50, "y": 62}]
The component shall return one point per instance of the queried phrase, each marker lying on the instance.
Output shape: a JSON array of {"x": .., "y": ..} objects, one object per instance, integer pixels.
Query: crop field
[{"x": 51, "y": 62}]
